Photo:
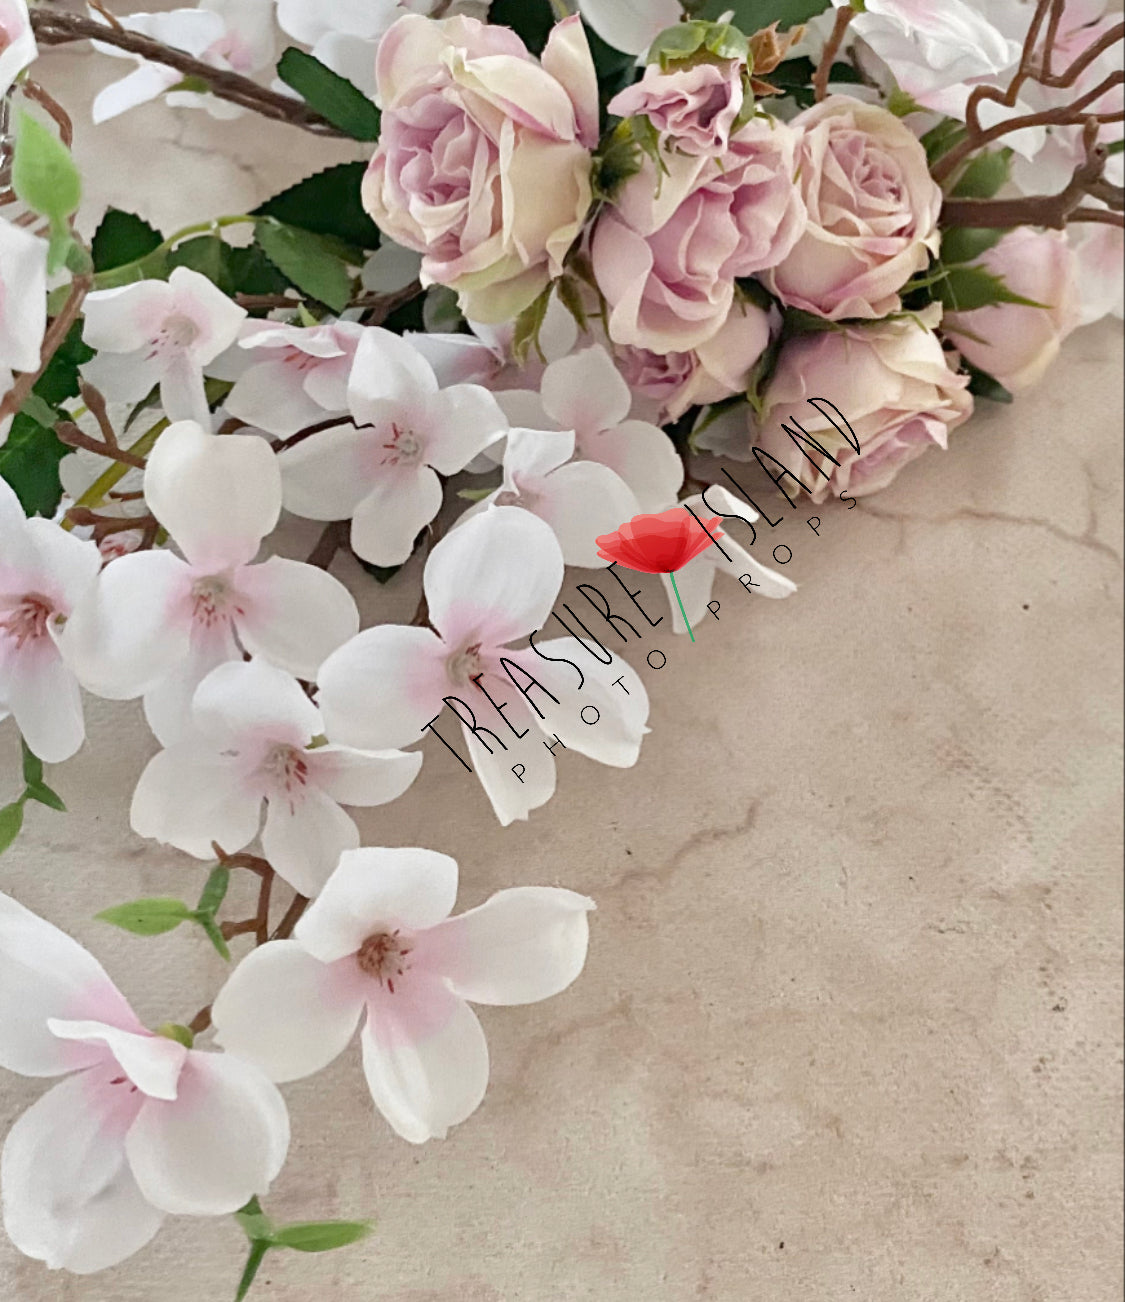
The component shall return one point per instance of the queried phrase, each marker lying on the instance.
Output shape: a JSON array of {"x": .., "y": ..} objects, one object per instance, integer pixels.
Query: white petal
[
  {"x": 581, "y": 502},
  {"x": 383, "y": 687},
  {"x": 375, "y": 888},
  {"x": 217, "y": 497},
  {"x": 695, "y": 582},
  {"x": 644, "y": 457},
  {"x": 399, "y": 506},
  {"x": 520, "y": 946},
  {"x": 42, "y": 694},
  {"x": 124, "y": 377},
  {"x": 45, "y": 974},
  {"x": 387, "y": 368},
  {"x": 586, "y": 392},
  {"x": 326, "y": 476},
  {"x": 304, "y": 840},
  {"x": 182, "y": 392},
  {"x": 70, "y": 1199},
  {"x": 143, "y": 84},
  {"x": 423, "y": 1083},
  {"x": 168, "y": 702},
  {"x": 23, "y": 257},
  {"x": 121, "y": 320},
  {"x": 287, "y": 1012},
  {"x": 223, "y": 1139},
  {"x": 494, "y": 579},
  {"x": 272, "y": 396},
  {"x": 68, "y": 565},
  {"x": 152, "y": 1062},
  {"x": 514, "y": 795},
  {"x": 630, "y": 25},
  {"x": 533, "y": 453},
  {"x": 189, "y": 796},
  {"x": 363, "y": 777},
  {"x": 294, "y": 615},
  {"x": 252, "y": 701},
  {"x": 463, "y": 420},
  {"x": 216, "y": 318}
]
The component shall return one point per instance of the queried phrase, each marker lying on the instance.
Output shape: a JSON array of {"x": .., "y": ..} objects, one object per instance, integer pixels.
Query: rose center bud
[
  {"x": 465, "y": 665},
  {"x": 177, "y": 331},
  {"x": 383, "y": 956},
  {"x": 285, "y": 772},
  {"x": 26, "y": 621},
  {"x": 401, "y": 448},
  {"x": 212, "y": 600}
]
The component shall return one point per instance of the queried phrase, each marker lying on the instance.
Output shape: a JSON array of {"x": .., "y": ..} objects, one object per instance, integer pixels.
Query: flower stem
[{"x": 683, "y": 612}]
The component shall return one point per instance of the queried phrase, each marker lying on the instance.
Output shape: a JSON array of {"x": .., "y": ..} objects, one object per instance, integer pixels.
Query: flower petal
[
  {"x": 327, "y": 475},
  {"x": 586, "y": 392},
  {"x": 463, "y": 420},
  {"x": 513, "y": 796},
  {"x": 363, "y": 777},
  {"x": 645, "y": 458},
  {"x": 410, "y": 888},
  {"x": 221, "y": 1141},
  {"x": 388, "y": 368},
  {"x": 189, "y": 796},
  {"x": 388, "y": 520},
  {"x": 152, "y": 1062},
  {"x": 42, "y": 694},
  {"x": 287, "y": 1012},
  {"x": 304, "y": 839},
  {"x": 249, "y": 701},
  {"x": 580, "y": 502}
]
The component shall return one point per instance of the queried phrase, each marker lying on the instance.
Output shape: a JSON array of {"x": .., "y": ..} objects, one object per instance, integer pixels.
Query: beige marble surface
[{"x": 850, "y": 1027}]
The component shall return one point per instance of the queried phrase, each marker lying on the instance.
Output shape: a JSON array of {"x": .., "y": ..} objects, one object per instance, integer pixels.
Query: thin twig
[
  {"x": 33, "y": 90},
  {"x": 832, "y": 47},
  {"x": 52, "y": 342},
  {"x": 73, "y": 437},
  {"x": 334, "y": 537},
  {"x": 293, "y": 915},
  {"x": 95, "y": 404}
]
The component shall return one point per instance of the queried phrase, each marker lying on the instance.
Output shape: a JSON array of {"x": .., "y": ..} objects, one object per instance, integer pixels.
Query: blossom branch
[
  {"x": 69, "y": 433},
  {"x": 58, "y": 114},
  {"x": 52, "y": 342},
  {"x": 62, "y": 29},
  {"x": 844, "y": 17}
]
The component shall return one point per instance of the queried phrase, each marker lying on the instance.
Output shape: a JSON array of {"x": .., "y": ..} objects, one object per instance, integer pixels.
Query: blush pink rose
[
  {"x": 666, "y": 255},
  {"x": 872, "y": 212},
  {"x": 694, "y": 107},
  {"x": 1014, "y": 343},
  {"x": 484, "y": 161},
  {"x": 891, "y": 381}
]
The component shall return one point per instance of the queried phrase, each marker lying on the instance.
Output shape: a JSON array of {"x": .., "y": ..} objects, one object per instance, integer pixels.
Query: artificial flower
[
  {"x": 630, "y": 25},
  {"x": 44, "y": 573},
  {"x": 483, "y": 163},
  {"x": 490, "y": 582},
  {"x": 257, "y": 737},
  {"x": 381, "y": 472},
  {"x": 23, "y": 300},
  {"x": 379, "y": 941},
  {"x": 141, "y": 1126},
  {"x": 659, "y": 544},
  {"x": 156, "y": 624},
  {"x": 158, "y": 332},
  {"x": 693, "y": 108},
  {"x": 17, "y": 42}
]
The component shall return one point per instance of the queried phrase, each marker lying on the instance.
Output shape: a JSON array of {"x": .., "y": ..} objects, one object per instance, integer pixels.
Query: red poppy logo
[{"x": 661, "y": 544}]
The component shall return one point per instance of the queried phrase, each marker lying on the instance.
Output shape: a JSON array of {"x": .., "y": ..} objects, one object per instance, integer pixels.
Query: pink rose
[
  {"x": 718, "y": 369},
  {"x": 696, "y": 106},
  {"x": 872, "y": 212},
  {"x": 1014, "y": 343},
  {"x": 667, "y": 253},
  {"x": 484, "y": 161},
  {"x": 893, "y": 384}
]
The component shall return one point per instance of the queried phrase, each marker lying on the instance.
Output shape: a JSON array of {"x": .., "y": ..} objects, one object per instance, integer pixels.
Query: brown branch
[
  {"x": 334, "y": 537},
  {"x": 95, "y": 404},
  {"x": 73, "y": 437},
  {"x": 62, "y": 29},
  {"x": 52, "y": 342},
  {"x": 293, "y": 914},
  {"x": 832, "y": 47},
  {"x": 1099, "y": 215},
  {"x": 61, "y": 117},
  {"x": 321, "y": 425}
]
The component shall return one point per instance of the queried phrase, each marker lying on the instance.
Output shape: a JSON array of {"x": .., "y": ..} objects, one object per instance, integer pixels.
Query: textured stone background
[{"x": 851, "y": 1022}]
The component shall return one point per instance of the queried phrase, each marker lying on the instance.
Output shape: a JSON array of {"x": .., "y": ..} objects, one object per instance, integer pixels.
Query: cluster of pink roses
[{"x": 484, "y": 168}]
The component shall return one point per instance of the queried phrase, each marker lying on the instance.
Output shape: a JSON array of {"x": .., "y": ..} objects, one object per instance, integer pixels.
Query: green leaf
[
  {"x": 215, "y": 891},
  {"x": 254, "y": 1221},
  {"x": 251, "y": 272},
  {"x": 966, "y": 288},
  {"x": 381, "y": 573},
  {"x": 621, "y": 157},
  {"x": 967, "y": 243},
  {"x": 475, "y": 494},
  {"x": 214, "y": 935},
  {"x": 39, "y": 411},
  {"x": 11, "y": 820},
  {"x": 174, "y": 1031},
  {"x": 151, "y": 917},
  {"x": 528, "y": 325},
  {"x": 29, "y": 462},
  {"x": 60, "y": 380},
  {"x": 329, "y": 94},
  {"x": 327, "y": 203},
  {"x": 43, "y": 172},
  {"x": 752, "y": 15},
  {"x": 941, "y": 139},
  {"x": 43, "y": 795},
  {"x": 32, "y": 765},
  {"x": 570, "y": 296},
  {"x": 305, "y": 260},
  {"x": 901, "y": 103},
  {"x": 676, "y": 44},
  {"x": 321, "y": 1236},
  {"x": 205, "y": 254},
  {"x": 122, "y": 237},
  {"x": 984, "y": 175},
  {"x": 983, "y": 385}
]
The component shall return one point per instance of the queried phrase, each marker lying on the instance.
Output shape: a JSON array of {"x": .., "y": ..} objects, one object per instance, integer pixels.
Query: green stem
[
  {"x": 258, "y": 1250},
  {"x": 683, "y": 612},
  {"x": 114, "y": 277},
  {"x": 100, "y": 489}
]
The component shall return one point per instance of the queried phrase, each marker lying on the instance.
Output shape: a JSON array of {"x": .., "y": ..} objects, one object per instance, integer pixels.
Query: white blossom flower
[
  {"x": 141, "y": 1126},
  {"x": 233, "y": 35},
  {"x": 586, "y": 393},
  {"x": 381, "y": 472},
  {"x": 630, "y": 25},
  {"x": 297, "y": 375},
  {"x": 379, "y": 939},
  {"x": 159, "y": 332},
  {"x": 491, "y": 581},
  {"x": 44, "y": 572},
  {"x": 578, "y": 499},
  {"x": 23, "y": 298},
  {"x": 257, "y": 736},
  {"x": 17, "y": 42},
  {"x": 156, "y": 625}
]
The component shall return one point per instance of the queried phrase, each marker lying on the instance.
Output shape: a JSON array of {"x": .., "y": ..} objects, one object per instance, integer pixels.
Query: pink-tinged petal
[
  {"x": 494, "y": 579},
  {"x": 152, "y": 1062},
  {"x": 425, "y": 1058},
  {"x": 362, "y": 777},
  {"x": 568, "y": 59},
  {"x": 272, "y": 396},
  {"x": 305, "y": 838},
  {"x": 645, "y": 458},
  {"x": 388, "y": 520},
  {"x": 168, "y": 702},
  {"x": 221, "y": 1141},
  {"x": 67, "y": 566},
  {"x": 188, "y": 796},
  {"x": 217, "y": 497},
  {"x": 45, "y": 974},
  {"x": 388, "y": 368},
  {"x": 216, "y": 318},
  {"x": 586, "y": 392},
  {"x": 132, "y": 627},
  {"x": 246, "y": 703},
  {"x": 43, "y": 697},
  {"x": 581, "y": 502},
  {"x": 70, "y": 1199},
  {"x": 514, "y": 796},
  {"x": 123, "y": 320},
  {"x": 326, "y": 476},
  {"x": 381, "y": 689},
  {"x": 376, "y": 888},
  {"x": 533, "y": 453},
  {"x": 287, "y": 1012},
  {"x": 518, "y": 947},
  {"x": 182, "y": 392},
  {"x": 293, "y": 614},
  {"x": 461, "y": 421}
]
